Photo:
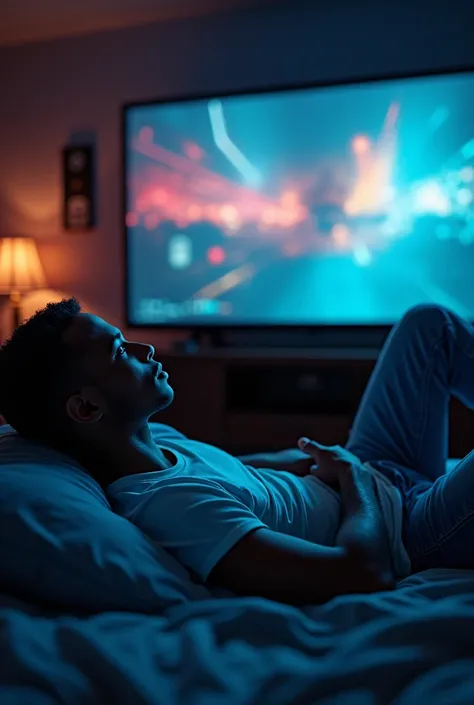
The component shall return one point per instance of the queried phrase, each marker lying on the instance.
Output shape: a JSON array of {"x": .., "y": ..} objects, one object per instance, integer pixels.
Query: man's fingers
[
  {"x": 311, "y": 447},
  {"x": 305, "y": 444}
]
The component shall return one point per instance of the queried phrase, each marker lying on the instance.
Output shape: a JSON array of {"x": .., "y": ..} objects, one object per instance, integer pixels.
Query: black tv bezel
[{"x": 356, "y": 334}]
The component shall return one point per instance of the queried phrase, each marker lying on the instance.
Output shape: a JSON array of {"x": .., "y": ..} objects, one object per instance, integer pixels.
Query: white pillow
[{"x": 62, "y": 546}]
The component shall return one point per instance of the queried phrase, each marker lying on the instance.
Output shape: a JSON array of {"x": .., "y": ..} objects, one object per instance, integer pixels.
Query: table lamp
[{"x": 20, "y": 271}]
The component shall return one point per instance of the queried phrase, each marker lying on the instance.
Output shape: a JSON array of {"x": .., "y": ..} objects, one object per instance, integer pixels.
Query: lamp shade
[{"x": 20, "y": 265}]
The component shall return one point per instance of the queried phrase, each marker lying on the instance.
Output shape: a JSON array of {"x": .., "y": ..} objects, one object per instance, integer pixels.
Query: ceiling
[{"x": 25, "y": 21}]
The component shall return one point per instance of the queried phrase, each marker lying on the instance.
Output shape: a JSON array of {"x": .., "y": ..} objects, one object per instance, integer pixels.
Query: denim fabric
[{"x": 401, "y": 428}]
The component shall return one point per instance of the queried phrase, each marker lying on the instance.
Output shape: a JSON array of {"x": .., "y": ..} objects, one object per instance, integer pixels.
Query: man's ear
[{"x": 83, "y": 408}]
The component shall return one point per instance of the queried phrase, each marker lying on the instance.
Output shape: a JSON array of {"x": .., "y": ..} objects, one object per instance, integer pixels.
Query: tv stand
[
  {"x": 329, "y": 338},
  {"x": 247, "y": 400}
]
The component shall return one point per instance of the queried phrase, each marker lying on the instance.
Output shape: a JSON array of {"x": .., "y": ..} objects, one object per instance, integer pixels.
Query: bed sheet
[{"x": 413, "y": 645}]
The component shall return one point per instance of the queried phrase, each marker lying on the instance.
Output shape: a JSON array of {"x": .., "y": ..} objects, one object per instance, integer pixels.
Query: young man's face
[{"x": 122, "y": 381}]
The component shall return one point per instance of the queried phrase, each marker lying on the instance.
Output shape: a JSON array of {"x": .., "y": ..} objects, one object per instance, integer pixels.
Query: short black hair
[{"x": 36, "y": 372}]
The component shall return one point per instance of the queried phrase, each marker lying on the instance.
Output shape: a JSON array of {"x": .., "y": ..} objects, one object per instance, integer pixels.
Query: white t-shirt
[{"x": 209, "y": 500}]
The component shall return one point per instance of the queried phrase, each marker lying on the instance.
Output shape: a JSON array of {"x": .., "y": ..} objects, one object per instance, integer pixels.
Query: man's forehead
[{"x": 88, "y": 329}]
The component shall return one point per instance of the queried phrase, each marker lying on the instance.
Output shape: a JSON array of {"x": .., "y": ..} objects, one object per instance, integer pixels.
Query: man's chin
[{"x": 165, "y": 398}]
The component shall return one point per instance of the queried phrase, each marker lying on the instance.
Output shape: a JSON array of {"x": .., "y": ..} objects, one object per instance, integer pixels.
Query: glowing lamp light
[
  {"x": 20, "y": 271},
  {"x": 216, "y": 255}
]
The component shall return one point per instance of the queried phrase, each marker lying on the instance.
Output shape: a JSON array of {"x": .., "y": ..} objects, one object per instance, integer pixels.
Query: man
[{"x": 70, "y": 380}]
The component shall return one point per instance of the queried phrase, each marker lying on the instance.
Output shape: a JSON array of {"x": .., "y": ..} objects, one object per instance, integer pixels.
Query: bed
[
  {"x": 91, "y": 611},
  {"x": 415, "y": 645}
]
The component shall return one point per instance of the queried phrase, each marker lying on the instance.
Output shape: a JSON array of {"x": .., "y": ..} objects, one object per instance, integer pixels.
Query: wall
[{"x": 50, "y": 90}]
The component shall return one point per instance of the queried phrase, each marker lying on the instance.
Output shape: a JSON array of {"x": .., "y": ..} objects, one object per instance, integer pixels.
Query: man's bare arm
[
  {"x": 290, "y": 460},
  {"x": 260, "y": 460},
  {"x": 363, "y": 528},
  {"x": 294, "y": 571}
]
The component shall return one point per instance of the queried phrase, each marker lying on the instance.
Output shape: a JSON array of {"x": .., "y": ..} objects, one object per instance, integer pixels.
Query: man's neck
[{"x": 123, "y": 452}]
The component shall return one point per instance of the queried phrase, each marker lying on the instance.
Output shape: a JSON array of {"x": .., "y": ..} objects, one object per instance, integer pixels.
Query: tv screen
[{"x": 340, "y": 205}]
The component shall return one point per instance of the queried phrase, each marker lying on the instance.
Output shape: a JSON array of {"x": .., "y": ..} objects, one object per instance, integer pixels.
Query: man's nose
[{"x": 145, "y": 351}]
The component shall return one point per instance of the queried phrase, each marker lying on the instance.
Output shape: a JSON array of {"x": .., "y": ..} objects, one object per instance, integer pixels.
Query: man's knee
[{"x": 429, "y": 316}]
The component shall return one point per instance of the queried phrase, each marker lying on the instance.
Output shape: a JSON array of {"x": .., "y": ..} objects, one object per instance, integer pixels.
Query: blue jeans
[{"x": 402, "y": 428}]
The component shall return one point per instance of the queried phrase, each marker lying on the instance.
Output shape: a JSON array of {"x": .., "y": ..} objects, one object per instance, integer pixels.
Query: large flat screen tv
[{"x": 336, "y": 205}]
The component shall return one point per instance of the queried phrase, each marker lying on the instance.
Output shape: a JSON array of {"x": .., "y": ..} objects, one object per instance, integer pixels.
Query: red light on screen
[
  {"x": 216, "y": 255},
  {"x": 194, "y": 212},
  {"x": 290, "y": 199},
  {"x": 193, "y": 151},
  {"x": 151, "y": 221},
  {"x": 229, "y": 214},
  {"x": 131, "y": 219},
  {"x": 159, "y": 197},
  {"x": 146, "y": 134},
  {"x": 269, "y": 215}
]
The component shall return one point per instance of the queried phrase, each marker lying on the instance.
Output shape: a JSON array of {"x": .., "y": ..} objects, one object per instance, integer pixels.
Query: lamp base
[{"x": 15, "y": 301}]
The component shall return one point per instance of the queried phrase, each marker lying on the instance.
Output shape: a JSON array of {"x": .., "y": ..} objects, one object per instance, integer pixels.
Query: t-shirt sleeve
[{"x": 196, "y": 520}]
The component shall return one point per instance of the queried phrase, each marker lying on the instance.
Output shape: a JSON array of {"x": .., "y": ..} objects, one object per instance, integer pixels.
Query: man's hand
[
  {"x": 328, "y": 463},
  {"x": 363, "y": 530},
  {"x": 303, "y": 460},
  {"x": 295, "y": 461},
  {"x": 291, "y": 460}
]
